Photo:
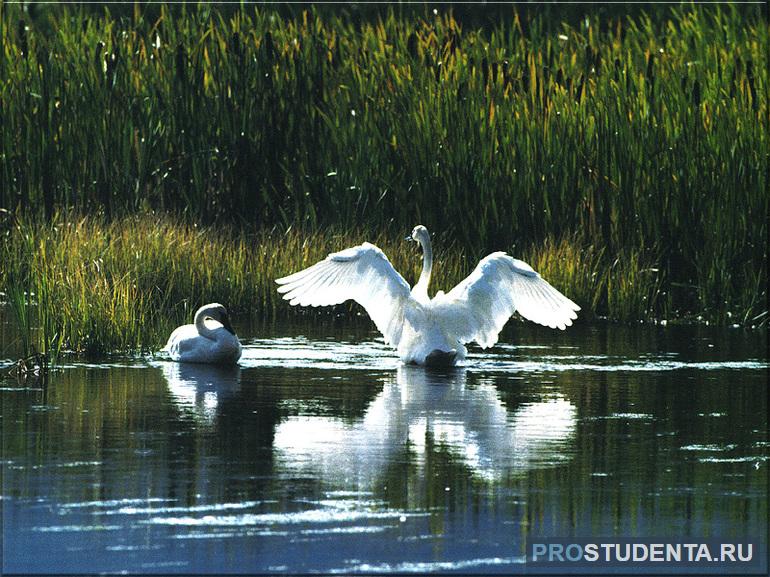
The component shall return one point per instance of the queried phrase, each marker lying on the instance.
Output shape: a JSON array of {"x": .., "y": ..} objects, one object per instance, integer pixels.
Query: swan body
[
  {"x": 210, "y": 339},
  {"x": 429, "y": 331}
]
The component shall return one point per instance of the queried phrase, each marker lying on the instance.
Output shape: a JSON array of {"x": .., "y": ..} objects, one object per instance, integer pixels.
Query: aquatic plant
[
  {"x": 642, "y": 140},
  {"x": 88, "y": 285}
]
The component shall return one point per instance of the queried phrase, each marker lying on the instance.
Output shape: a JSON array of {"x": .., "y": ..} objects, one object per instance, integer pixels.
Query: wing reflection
[
  {"x": 421, "y": 413},
  {"x": 198, "y": 389}
]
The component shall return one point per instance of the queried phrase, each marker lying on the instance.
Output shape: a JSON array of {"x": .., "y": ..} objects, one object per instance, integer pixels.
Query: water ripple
[
  {"x": 297, "y": 352},
  {"x": 112, "y": 503},
  {"x": 311, "y": 516},
  {"x": 191, "y": 509},
  {"x": 427, "y": 567}
]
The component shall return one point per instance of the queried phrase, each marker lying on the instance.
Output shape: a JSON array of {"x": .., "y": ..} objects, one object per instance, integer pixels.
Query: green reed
[
  {"x": 91, "y": 286},
  {"x": 643, "y": 138}
]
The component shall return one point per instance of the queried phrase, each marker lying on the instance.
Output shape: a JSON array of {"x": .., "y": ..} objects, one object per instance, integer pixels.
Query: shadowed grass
[
  {"x": 644, "y": 138},
  {"x": 92, "y": 286}
]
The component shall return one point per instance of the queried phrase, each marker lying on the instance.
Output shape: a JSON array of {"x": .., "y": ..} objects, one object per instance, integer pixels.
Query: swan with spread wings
[{"x": 424, "y": 330}]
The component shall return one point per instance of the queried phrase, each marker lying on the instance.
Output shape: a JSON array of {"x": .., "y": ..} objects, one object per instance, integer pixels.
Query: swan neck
[
  {"x": 200, "y": 324},
  {"x": 427, "y": 264}
]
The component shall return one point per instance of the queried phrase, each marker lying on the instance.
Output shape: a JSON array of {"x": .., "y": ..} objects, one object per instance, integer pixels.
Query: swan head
[
  {"x": 419, "y": 234},
  {"x": 217, "y": 312}
]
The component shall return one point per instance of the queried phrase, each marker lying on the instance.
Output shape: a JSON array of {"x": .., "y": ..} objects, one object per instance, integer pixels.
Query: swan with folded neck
[
  {"x": 424, "y": 330},
  {"x": 210, "y": 339}
]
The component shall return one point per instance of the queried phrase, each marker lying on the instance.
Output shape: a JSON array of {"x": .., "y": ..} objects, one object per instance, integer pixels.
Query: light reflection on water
[
  {"x": 322, "y": 453},
  {"x": 421, "y": 408},
  {"x": 198, "y": 389},
  {"x": 300, "y": 352}
]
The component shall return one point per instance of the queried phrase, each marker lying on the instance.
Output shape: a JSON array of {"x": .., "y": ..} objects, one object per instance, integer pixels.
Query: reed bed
[
  {"x": 636, "y": 143},
  {"x": 90, "y": 286}
]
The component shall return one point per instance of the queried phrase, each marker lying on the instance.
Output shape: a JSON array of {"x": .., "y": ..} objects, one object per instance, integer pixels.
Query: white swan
[
  {"x": 429, "y": 331},
  {"x": 205, "y": 341}
]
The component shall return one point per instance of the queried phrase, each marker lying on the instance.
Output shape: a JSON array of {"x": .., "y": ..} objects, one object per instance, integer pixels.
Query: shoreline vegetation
[
  {"x": 152, "y": 163},
  {"x": 81, "y": 284}
]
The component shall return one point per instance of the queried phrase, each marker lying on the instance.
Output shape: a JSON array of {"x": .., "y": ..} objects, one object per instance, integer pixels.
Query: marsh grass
[
  {"x": 90, "y": 286},
  {"x": 635, "y": 148}
]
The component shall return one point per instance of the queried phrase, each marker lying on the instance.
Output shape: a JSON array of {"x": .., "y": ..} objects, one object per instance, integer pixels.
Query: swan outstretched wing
[
  {"x": 362, "y": 273},
  {"x": 478, "y": 307}
]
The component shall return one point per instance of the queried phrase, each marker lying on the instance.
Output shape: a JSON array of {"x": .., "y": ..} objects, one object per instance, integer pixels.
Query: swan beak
[
  {"x": 226, "y": 323},
  {"x": 408, "y": 237}
]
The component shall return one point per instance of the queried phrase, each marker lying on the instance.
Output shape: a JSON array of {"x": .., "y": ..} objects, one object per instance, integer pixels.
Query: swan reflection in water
[
  {"x": 419, "y": 410},
  {"x": 198, "y": 389}
]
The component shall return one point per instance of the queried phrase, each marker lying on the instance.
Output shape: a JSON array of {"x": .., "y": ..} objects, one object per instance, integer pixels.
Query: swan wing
[
  {"x": 478, "y": 307},
  {"x": 362, "y": 273}
]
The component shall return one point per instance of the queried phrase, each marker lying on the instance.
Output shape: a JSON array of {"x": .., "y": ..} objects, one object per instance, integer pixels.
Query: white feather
[
  {"x": 478, "y": 307},
  {"x": 210, "y": 339},
  {"x": 362, "y": 273},
  {"x": 475, "y": 310}
]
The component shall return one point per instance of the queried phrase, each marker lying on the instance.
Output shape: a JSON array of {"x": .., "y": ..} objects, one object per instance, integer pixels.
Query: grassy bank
[
  {"x": 641, "y": 141},
  {"x": 88, "y": 285}
]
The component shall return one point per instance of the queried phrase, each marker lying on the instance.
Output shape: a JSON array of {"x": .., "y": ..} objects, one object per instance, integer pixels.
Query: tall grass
[
  {"x": 91, "y": 286},
  {"x": 88, "y": 285},
  {"x": 640, "y": 137}
]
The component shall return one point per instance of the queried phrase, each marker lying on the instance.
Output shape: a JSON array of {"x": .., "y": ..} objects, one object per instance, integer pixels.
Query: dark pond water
[{"x": 321, "y": 453}]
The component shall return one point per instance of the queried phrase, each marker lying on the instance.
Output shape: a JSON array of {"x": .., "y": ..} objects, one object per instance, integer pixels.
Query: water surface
[{"x": 321, "y": 453}]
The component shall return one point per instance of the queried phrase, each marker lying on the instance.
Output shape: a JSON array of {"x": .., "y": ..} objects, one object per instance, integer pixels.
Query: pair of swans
[{"x": 424, "y": 331}]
